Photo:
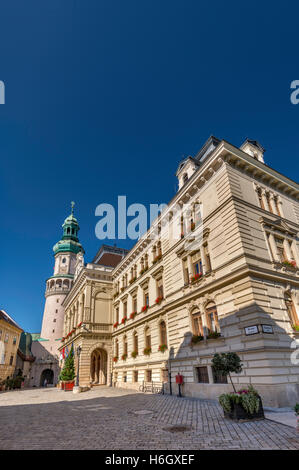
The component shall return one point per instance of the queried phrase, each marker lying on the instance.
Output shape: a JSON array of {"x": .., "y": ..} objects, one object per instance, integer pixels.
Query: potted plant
[
  {"x": 123, "y": 321},
  {"x": 144, "y": 308},
  {"x": 115, "y": 359},
  {"x": 159, "y": 300},
  {"x": 213, "y": 335},
  {"x": 244, "y": 404},
  {"x": 115, "y": 324},
  {"x": 67, "y": 375},
  {"x": 124, "y": 357},
  {"x": 134, "y": 354},
  {"x": 132, "y": 316},
  {"x": 290, "y": 264},
  {"x": 162, "y": 347},
  {"x": 147, "y": 351}
]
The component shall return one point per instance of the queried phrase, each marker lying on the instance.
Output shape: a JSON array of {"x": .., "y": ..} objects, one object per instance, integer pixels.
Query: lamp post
[{"x": 78, "y": 350}]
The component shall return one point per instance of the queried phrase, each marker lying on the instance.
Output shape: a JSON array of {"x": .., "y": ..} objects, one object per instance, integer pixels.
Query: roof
[
  {"x": 109, "y": 256},
  {"x": 4, "y": 316}
]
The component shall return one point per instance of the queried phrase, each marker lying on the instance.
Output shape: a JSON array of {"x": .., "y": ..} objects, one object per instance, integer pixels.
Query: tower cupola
[{"x": 69, "y": 240}]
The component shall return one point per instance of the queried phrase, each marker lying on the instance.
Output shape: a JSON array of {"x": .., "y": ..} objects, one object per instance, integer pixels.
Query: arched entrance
[
  {"x": 98, "y": 367},
  {"x": 48, "y": 375}
]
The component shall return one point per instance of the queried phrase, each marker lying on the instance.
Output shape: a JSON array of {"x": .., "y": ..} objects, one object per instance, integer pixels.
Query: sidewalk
[{"x": 282, "y": 415}]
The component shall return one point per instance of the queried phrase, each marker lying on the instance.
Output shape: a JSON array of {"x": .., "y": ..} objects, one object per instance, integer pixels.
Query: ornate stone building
[
  {"x": 229, "y": 282},
  {"x": 45, "y": 345},
  {"x": 10, "y": 333}
]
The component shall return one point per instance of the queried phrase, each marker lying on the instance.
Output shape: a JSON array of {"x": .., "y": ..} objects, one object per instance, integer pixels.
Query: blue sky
[{"x": 104, "y": 98}]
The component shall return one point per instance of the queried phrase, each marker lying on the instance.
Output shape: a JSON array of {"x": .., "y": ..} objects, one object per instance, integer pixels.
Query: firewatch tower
[{"x": 45, "y": 345}]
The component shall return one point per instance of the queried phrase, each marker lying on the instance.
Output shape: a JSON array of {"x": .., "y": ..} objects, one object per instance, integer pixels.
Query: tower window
[{"x": 63, "y": 260}]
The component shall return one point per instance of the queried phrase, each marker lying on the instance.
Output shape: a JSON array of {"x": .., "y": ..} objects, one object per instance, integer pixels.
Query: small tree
[
  {"x": 68, "y": 371},
  {"x": 225, "y": 363}
]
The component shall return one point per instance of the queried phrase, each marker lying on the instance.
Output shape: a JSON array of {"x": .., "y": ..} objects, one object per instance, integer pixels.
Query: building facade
[
  {"x": 45, "y": 345},
  {"x": 10, "y": 333},
  {"x": 228, "y": 282}
]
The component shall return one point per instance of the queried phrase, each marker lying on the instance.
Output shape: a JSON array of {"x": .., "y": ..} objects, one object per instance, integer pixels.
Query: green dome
[{"x": 69, "y": 240}]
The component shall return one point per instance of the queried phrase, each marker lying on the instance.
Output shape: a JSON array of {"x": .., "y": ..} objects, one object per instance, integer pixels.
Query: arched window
[
  {"x": 197, "y": 324},
  {"x": 135, "y": 342},
  {"x": 147, "y": 337},
  {"x": 291, "y": 309},
  {"x": 212, "y": 318},
  {"x": 163, "y": 333}
]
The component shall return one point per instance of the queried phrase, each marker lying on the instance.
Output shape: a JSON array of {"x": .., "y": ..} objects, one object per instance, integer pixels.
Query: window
[
  {"x": 125, "y": 346},
  {"x": 125, "y": 309},
  {"x": 6, "y": 338},
  {"x": 277, "y": 205},
  {"x": 291, "y": 309},
  {"x": 57, "y": 300},
  {"x": 124, "y": 376},
  {"x": 135, "y": 342},
  {"x": 148, "y": 337},
  {"x": 11, "y": 360},
  {"x": 148, "y": 375},
  {"x": 202, "y": 375},
  {"x": 197, "y": 264},
  {"x": 280, "y": 250},
  {"x": 116, "y": 348},
  {"x": 163, "y": 334},
  {"x": 63, "y": 260},
  {"x": 14, "y": 341},
  {"x": 207, "y": 257},
  {"x": 197, "y": 324},
  {"x": 212, "y": 318},
  {"x": 54, "y": 319},
  {"x": 185, "y": 178},
  {"x": 146, "y": 297},
  {"x": 218, "y": 378},
  {"x": 134, "y": 303},
  {"x": 160, "y": 292},
  {"x": 135, "y": 376},
  {"x": 186, "y": 272},
  {"x": 56, "y": 311},
  {"x": 117, "y": 314},
  {"x": 53, "y": 331}
]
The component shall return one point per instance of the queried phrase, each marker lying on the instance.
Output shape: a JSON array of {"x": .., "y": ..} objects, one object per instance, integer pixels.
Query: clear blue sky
[{"x": 104, "y": 97}]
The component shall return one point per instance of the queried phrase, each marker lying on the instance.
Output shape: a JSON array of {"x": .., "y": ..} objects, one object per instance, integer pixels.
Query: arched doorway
[
  {"x": 98, "y": 367},
  {"x": 48, "y": 375}
]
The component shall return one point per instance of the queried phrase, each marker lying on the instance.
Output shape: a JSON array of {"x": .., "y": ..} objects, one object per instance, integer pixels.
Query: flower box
[
  {"x": 124, "y": 357},
  {"x": 195, "y": 278},
  {"x": 132, "y": 280},
  {"x": 157, "y": 258},
  {"x": 213, "y": 335},
  {"x": 196, "y": 339},
  {"x": 243, "y": 405},
  {"x": 162, "y": 347},
  {"x": 68, "y": 385},
  {"x": 290, "y": 264},
  {"x": 133, "y": 314},
  {"x": 158, "y": 300},
  {"x": 115, "y": 359},
  {"x": 147, "y": 351},
  {"x": 143, "y": 271},
  {"x": 144, "y": 308},
  {"x": 123, "y": 321},
  {"x": 79, "y": 324},
  {"x": 134, "y": 354},
  {"x": 192, "y": 226},
  {"x": 115, "y": 324}
]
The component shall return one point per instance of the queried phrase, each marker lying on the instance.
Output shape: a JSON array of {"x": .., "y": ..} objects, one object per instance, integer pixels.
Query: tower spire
[{"x": 72, "y": 206}]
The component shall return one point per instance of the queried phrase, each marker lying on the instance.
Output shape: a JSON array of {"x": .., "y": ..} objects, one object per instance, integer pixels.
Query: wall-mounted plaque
[
  {"x": 251, "y": 330},
  {"x": 267, "y": 329}
]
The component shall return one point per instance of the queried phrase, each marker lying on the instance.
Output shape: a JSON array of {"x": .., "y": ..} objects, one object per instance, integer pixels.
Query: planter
[
  {"x": 68, "y": 386},
  {"x": 239, "y": 413}
]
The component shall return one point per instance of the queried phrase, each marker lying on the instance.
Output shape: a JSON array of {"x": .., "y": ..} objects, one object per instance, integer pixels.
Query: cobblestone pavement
[{"x": 109, "y": 418}]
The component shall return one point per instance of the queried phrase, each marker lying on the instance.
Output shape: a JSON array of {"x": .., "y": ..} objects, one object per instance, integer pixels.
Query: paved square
[{"x": 109, "y": 418}]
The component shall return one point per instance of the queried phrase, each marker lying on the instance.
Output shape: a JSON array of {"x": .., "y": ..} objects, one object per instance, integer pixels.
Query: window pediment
[{"x": 278, "y": 224}]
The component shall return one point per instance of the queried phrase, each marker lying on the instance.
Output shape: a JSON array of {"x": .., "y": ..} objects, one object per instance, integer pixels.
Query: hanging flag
[
  {"x": 66, "y": 352},
  {"x": 63, "y": 353}
]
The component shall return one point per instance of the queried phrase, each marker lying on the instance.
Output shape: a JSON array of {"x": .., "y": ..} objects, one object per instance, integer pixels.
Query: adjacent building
[{"x": 10, "y": 333}]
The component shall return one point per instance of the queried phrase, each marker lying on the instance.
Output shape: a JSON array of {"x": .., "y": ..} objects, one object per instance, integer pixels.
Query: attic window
[{"x": 185, "y": 178}]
